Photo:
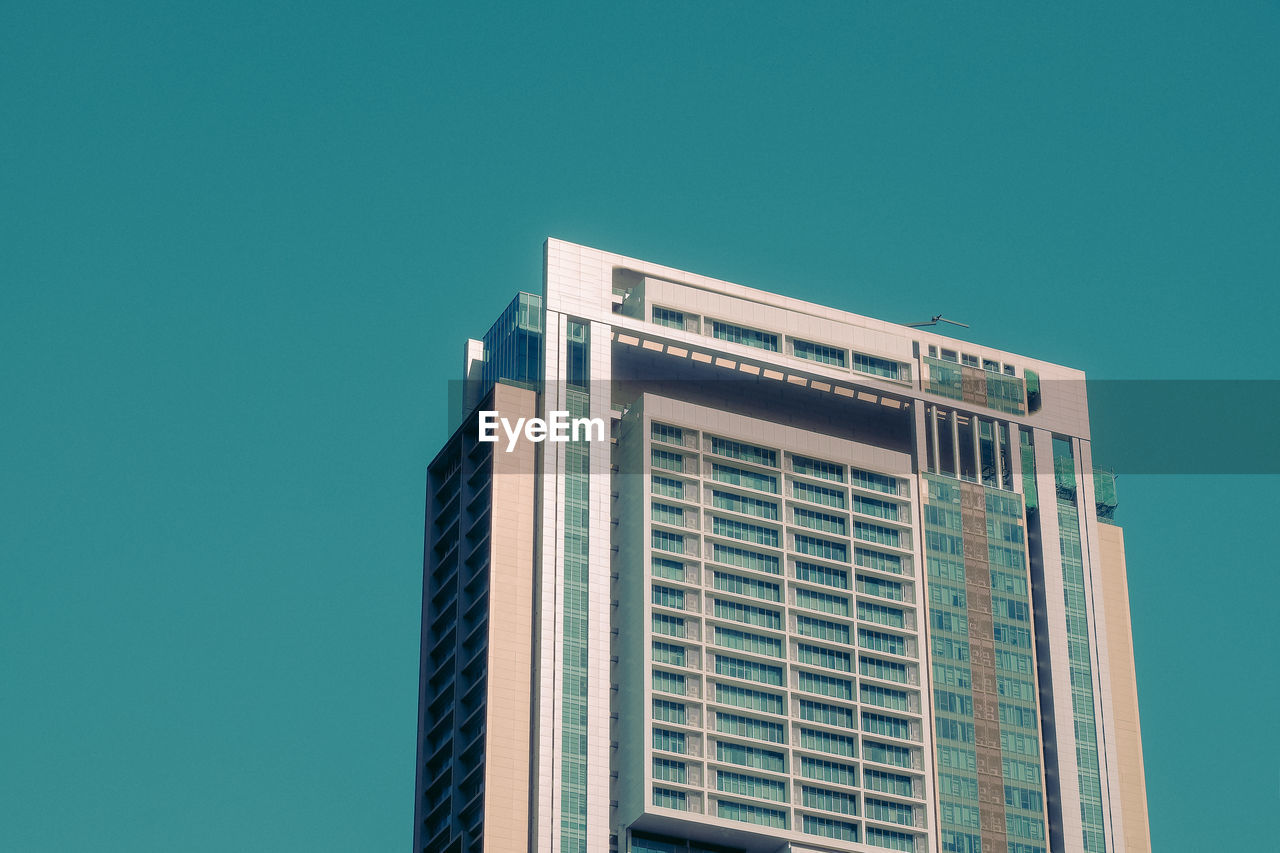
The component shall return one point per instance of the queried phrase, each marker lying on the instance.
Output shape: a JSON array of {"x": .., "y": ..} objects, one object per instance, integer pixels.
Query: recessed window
[
  {"x": 969, "y": 360},
  {"x": 818, "y": 352},
  {"x": 875, "y": 366},
  {"x": 669, "y": 318},
  {"x": 743, "y": 335}
]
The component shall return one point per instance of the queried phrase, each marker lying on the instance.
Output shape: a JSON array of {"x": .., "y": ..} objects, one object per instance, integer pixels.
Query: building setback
[{"x": 828, "y": 584}]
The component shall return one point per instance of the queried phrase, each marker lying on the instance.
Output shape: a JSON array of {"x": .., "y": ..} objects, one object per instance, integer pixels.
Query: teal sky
[{"x": 240, "y": 248}]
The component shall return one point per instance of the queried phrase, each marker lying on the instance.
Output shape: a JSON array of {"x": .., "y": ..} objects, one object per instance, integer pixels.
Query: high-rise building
[{"x": 820, "y": 583}]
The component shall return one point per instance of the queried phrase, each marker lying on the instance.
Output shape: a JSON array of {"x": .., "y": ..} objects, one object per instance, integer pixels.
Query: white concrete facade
[{"x": 616, "y": 298}]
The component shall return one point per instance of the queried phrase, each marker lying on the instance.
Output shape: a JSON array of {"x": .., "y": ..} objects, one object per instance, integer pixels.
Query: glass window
[
  {"x": 877, "y": 560},
  {"x": 667, "y": 514},
  {"x": 828, "y": 742},
  {"x": 829, "y": 771},
  {"x": 879, "y": 613},
  {"x": 881, "y": 642},
  {"x": 751, "y": 786},
  {"x": 826, "y": 685},
  {"x": 743, "y": 478},
  {"x": 745, "y": 559},
  {"x": 751, "y": 756},
  {"x": 744, "y": 452},
  {"x": 743, "y": 335},
  {"x": 754, "y": 533},
  {"x": 732, "y": 724},
  {"x": 576, "y": 362},
  {"x": 836, "y": 604},
  {"x": 667, "y": 487},
  {"x": 751, "y": 814},
  {"x": 883, "y": 669},
  {"x": 873, "y": 482},
  {"x": 879, "y": 724},
  {"x": 669, "y": 682},
  {"x": 672, "y": 626},
  {"x": 668, "y": 653},
  {"x": 830, "y": 715},
  {"x": 875, "y": 533},
  {"x": 666, "y": 460},
  {"x": 818, "y": 352},
  {"x": 664, "y": 540},
  {"x": 871, "y": 506},
  {"x": 752, "y": 700},
  {"x": 669, "y": 741},
  {"x": 832, "y": 802},
  {"x": 820, "y": 521},
  {"x": 889, "y": 783},
  {"x": 745, "y": 642},
  {"x": 890, "y": 812},
  {"x": 884, "y": 753},
  {"x": 818, "y": 494},
  {"x": 883, "y": 588},
  {"x": 828, "y": 658},
  {"x": 667, "y": 433},
  {"x": 817, "y": 468},
  {"x": 749, "y": 670},
  {"x": 821, "y": 548},
  {"x": 669, "y": 799},
  {"x": 891, "y": 840},
  {"x": 822, "y": 629},
  {"x": 825, "y": 575},
  {"x": 884, "y": 697},
  {"x": 669, "y": 318},
  {"x": 746, "y": 506},
  {"x": 670, "y": 770},
  {"x": 875, "y": 366},
  {"x": 669, "y": 712},
  {"x": 664, "y": 568},
  {"x": 747, "y": 586},
  {"x": 763, "y": 617}
]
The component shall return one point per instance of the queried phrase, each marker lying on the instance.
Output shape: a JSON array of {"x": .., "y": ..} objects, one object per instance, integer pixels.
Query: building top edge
[{"x": 560, "y": 250}]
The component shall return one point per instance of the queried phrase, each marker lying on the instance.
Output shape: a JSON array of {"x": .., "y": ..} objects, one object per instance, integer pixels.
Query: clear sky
[{"x": 241, "y": 244}]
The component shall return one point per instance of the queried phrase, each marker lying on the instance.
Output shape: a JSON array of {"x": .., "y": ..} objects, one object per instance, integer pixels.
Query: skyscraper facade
[{"x": 821, "y": 583}]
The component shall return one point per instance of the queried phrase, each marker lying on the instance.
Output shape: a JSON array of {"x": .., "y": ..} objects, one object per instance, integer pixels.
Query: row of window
[
  {"x": 768, "y": 510},
  {"x": 970, "y": 360},
  {"x": 802, "y": 465},
  {"x": 818, "y": 740},
  {"x": 811, "y": 710},
  {"x": 836, "y": 605},
  {"x": 745, "y": 785},
  {"x": 768, "y": 341}
]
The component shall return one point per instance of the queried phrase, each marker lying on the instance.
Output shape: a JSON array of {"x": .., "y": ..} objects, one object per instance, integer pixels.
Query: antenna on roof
[{"x": 937, "y": 318}]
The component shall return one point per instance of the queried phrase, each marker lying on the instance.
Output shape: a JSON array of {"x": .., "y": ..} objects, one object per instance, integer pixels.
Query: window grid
[{"x": 838, "y": 708}]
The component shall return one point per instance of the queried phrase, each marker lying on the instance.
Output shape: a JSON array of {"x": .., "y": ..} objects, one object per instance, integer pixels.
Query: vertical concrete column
[
  {"x": 995, "y": 443},
  {"x": 935, "y": 464},
  {"x": 955, "y": 442},
  {"x": 975, "y": 423},
  {"x": 1015, "y": 456},
  {"x": 918, "y": 427},
  {"x": 1100, "y": 648}
]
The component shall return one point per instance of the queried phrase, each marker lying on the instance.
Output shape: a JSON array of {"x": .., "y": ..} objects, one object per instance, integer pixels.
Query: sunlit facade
[{"x": 829, "y": 584}]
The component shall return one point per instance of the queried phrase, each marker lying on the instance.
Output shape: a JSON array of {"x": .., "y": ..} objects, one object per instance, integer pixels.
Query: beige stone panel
[
  {"x": 508, "y": 725},
  {"x": 1124, "y": 691}
]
